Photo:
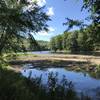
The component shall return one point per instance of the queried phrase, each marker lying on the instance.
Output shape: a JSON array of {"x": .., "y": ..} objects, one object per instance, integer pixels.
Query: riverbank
[
  {"x": 64, "y": 57},
  {"x": 70, "y": 64},
  {"x": 69, "y": 61}
]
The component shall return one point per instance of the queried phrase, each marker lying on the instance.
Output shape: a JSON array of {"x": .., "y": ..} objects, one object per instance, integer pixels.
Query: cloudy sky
[{"x": 58, "y": 10}]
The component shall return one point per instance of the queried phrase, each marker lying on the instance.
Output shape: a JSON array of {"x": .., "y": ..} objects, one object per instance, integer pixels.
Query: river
[{"x": 83, "y": 82}]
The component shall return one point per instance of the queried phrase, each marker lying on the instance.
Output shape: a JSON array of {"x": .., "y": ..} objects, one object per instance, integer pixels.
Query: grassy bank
[{"x": 13, "y": 86}]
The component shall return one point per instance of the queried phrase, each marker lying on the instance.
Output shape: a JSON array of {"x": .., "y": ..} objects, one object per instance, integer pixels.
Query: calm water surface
[
  {"x": 82, "y": 81},
  {"x": 41, "y": 52}
]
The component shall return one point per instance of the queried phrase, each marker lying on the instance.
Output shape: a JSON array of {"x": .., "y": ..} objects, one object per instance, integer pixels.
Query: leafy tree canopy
[
  {"x": 19, "y": 18},
  {"x": 93, "y": 7}
]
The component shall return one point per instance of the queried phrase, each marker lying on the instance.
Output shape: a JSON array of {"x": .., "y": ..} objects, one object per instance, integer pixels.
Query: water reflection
[{"x": 83, "y": 82}]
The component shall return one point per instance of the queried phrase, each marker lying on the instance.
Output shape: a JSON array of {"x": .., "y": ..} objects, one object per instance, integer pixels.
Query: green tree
[
  {"x": 93, "y": 7},
  {"x": 74, "y": 48},
  {"x": 19, "y": 18},
  {"x": 58, "y": 41},
  {"x": 53, "y": 44},
  {"x": 85, "y": 42},
  {"x": 66, "y": 40}
]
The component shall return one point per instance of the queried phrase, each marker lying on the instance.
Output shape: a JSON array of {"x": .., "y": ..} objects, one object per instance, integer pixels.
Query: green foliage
[
  {"x": 53, "y": 44},
  {"x": 65, "y": 41},
  {"x": 44, "y": 45},
  {"x": 73, "y": 43},
  {"x": 93, "y": 30},
  {"x": 58, "y": 41},
  {"x": 85, "y": 40},
  {"x": 17, "y": 20},
  {"x": 35, "y": 45},
  {"x": 13, "y": 86},
  {"x": 70, "y": 23},
  {"x": 40, "y": 45},
  {"x": 70, "y": 41},
  {"x": 93, "y": 7}
]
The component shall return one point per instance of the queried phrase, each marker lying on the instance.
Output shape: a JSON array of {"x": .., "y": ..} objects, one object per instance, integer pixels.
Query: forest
[
  {"x": 76, "y": 41},
  {"x": 36, "y": 45}
]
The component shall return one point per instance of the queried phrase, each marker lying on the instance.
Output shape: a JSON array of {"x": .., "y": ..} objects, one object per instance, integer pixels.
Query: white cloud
[
  {"x": 30, "y": 7},
  {"x": 50, "y": 11},
  {"x": 39, "y": 2},
  {"x": 51, "y": 29},
  {"x": 45, "y": 33}
]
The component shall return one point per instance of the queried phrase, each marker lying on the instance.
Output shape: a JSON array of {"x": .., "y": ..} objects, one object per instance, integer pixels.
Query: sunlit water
[
  {"x": 82, "y": 81},
  {"x": 41, "y": 52}
]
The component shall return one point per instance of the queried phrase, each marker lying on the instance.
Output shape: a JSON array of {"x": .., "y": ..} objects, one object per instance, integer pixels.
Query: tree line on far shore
[
  {"x": 33, "y": 45},
  {"x": 76, "y": 41}
]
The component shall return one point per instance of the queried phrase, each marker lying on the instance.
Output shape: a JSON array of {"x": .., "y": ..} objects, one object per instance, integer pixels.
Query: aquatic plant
[{"x": 53, "y": 89}]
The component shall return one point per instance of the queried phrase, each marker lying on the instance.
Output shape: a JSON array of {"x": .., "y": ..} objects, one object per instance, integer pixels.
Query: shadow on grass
[{"x": 13, "y": 86}]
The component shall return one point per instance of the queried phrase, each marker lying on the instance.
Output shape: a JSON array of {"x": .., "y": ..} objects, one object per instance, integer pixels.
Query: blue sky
[{"x": 58, "y": 10}]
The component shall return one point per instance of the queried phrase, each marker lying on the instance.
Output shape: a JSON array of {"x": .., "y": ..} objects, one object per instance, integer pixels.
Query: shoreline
[{"x": 71, "y": 62}]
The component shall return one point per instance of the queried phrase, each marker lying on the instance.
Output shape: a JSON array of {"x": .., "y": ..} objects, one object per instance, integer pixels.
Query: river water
[
  {"x": 83, "y": 82},
  {"x": 41, "y": 52}
]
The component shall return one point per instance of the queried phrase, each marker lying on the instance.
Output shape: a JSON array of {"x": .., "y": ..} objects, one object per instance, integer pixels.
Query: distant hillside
[{"x": 38, "y": 45}]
